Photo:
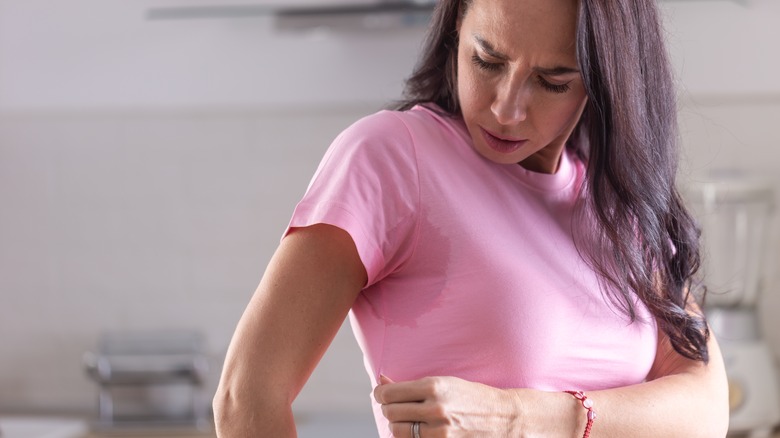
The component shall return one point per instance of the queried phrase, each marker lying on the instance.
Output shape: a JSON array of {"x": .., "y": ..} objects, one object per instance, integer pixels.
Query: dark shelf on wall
[
  {"x": 335, "y": 15},
  {"x": 324, "y": 11}
]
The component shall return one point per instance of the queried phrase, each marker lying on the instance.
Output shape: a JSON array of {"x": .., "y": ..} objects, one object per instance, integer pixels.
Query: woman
[{"x": 491, "y": 298}]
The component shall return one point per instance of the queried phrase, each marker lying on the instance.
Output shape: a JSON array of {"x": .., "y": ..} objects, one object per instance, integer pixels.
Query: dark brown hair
[{"x": 628, "y": 137}]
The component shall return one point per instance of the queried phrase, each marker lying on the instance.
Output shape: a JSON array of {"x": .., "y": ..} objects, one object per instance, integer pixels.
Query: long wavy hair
[{"x": 628, "y": 137}]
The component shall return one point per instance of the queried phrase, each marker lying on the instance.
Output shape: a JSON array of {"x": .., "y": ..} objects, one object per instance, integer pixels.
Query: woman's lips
[{"x": 501, "y": 145}]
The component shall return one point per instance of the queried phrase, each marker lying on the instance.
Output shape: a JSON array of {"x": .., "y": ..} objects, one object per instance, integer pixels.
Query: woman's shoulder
[
  {"x": 404, "y": 124},
  {"x": 374, "y": 136},
  {"x": 392, "y": 138}
]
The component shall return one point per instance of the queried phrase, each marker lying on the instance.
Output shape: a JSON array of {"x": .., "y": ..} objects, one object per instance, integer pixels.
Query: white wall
[
  {"x": 106, "y": 54},
  {"x": 143, "y": 221},
  {"x": 147, "y": 168}
]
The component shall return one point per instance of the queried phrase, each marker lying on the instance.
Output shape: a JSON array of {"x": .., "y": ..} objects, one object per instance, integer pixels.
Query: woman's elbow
[
  {"x": 251, "y": 413},
  {"x": 717, "y": 404},
  {"x": 225, "y": 410},
  {"x": 233, "y": 414},
  {"x": 719, "y": 423}
]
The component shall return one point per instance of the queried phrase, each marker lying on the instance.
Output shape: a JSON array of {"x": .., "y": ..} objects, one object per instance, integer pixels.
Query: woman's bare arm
[
  {"x": 682, "y": 398},
  {"x": 302, "y": 300}
]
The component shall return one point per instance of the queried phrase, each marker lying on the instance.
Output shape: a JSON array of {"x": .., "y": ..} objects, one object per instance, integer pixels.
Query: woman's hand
[{"x": 448, "y": 407}]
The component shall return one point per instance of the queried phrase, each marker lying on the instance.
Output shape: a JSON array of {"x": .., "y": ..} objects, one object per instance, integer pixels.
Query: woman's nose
[{"x": 510, "y": 105}]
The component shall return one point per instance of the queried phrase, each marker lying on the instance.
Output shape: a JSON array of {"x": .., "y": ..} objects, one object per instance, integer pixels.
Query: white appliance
[{"x": 735, "y": 214}]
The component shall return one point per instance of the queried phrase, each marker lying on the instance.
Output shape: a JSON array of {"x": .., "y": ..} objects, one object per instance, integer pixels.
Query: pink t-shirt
[{"x": 472, "y": 267}]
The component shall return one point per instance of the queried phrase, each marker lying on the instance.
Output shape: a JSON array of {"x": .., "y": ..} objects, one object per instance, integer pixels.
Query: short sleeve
[{"x": 367, "y": 185}]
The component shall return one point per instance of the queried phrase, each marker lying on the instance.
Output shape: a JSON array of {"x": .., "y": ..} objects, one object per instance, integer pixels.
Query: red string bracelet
[{"x": 587, "y": 404}]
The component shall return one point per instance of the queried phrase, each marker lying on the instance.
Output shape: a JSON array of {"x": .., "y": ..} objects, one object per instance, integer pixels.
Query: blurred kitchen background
[{"x": 150, "y": 159}]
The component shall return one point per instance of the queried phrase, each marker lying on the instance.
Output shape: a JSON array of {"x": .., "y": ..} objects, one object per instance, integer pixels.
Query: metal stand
[{"x": 149, "y": 361}]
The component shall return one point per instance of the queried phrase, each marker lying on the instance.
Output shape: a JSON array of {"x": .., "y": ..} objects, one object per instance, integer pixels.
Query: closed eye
[
  {"x": 495, "y": 66},
  {"x": 484, "y": 65},
  {"x": 553, "y": 88}
]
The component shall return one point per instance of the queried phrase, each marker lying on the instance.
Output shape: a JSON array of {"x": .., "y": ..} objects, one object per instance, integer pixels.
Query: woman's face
[{"x": 520, "y": 90}]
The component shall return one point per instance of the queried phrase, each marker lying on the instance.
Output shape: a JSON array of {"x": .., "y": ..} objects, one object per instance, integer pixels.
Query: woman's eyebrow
[
  {"x": 547, "y": 71},
  {"x": 488, "y": 48},
  {"x": 556, "y": 71}
]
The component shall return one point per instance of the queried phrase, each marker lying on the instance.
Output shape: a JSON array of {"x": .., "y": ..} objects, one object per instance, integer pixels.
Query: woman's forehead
[{"x": 510, "y": 26}]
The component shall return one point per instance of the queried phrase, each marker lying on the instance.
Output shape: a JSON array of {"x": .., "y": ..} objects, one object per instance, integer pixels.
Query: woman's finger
[
  {"x": 404, "y": 392},
  {"x": 411, "y": 411},
  {"x": 406, "y": 429},
  {"x": 383, "y": 379}
]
